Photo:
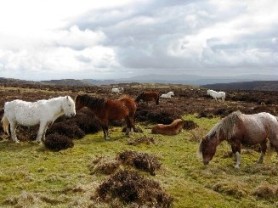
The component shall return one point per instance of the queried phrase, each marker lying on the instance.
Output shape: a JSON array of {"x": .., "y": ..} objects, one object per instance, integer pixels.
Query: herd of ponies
[{"x": 236, "y": 128}]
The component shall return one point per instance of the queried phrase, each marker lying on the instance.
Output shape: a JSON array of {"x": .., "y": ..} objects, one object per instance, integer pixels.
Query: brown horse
[
  {"x": 107, "y": 110},
  {"x": 238, "y": 128},
  {"x": 172, "y": 129},
  {"x": 148, "y": 96}
]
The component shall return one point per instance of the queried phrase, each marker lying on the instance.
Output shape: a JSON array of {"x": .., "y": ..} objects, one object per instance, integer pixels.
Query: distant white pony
[
  {"x": 43, "y": 112},
  {"x": 217, "y": 95},
  {"x": 117, "y": 90},
  {"x": 167, "y": 95}
]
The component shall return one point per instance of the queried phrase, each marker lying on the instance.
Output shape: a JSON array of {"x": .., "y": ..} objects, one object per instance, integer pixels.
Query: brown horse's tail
[{"x": 5, "y": 124}]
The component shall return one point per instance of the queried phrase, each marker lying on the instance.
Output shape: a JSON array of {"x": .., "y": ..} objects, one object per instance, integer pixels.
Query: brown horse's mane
[
  {"x": 225, "y": 126},
  {"x": 92, "y": 102}
]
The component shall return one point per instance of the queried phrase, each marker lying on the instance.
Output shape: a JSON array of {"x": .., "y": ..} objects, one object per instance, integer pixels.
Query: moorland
[{"x": 144, "y": 169}]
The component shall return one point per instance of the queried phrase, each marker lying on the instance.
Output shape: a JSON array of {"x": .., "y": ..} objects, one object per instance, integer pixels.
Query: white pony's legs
[
  {"x": 41, "y": 132},
  {"x": 237, "y": 160},
  {"x": 13, "y": 134}
]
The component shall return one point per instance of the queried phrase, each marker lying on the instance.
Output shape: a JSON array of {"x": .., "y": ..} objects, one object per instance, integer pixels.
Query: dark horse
[
  {"x": 107, "y": 110},
  {"x": 238, "y": 128},
  {"x": 148, "y": 96}
]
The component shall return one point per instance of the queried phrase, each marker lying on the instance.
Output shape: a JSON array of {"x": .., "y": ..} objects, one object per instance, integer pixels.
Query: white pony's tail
[{"x": 5, "y": 124}]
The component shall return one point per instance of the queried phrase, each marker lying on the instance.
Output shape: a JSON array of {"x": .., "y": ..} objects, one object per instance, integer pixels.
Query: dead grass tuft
[
  {"x": 130, "y": 187},
  {"x": 189, "y": 125},
  {"x": 140, "y": 140},
  {"x": 29, "y": 199},
  {"x": 70, "y": 130},
  {"x": 154, "y": 114},
  {"x": 142, "y": 161},
  {"x": 234, "y": 189},
  {"x": 57, "y": 142},
  {"x": 262, "y": 169},
  {"x": 266, "y": 191},
  {"x": 103, "y": 165}
]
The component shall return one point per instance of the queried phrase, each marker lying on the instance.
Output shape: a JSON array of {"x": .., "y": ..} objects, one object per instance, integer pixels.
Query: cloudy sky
[{"x": 57, "y": 39}]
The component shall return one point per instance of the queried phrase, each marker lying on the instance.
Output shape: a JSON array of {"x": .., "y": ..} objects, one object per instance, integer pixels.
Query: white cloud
[{"x": 77, "y": 39}]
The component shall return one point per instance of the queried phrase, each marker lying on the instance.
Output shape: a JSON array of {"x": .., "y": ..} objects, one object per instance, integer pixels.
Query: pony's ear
[{"x": 67, "y": 97}]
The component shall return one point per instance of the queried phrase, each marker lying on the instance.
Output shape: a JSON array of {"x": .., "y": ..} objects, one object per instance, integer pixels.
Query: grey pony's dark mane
[{"x": 226, "y": 125}]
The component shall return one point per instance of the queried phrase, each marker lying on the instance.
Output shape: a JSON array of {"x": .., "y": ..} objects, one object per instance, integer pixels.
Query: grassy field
[{"x": 31, "y": 176}]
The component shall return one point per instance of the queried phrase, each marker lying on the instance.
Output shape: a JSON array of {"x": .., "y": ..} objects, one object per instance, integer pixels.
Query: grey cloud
[{"x": 142, "y": 34}]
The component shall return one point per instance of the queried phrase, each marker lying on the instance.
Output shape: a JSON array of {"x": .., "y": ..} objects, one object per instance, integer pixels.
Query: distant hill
[
  {"x": 254, "y": 85},
  {"x": 67, "y": 82},
  {"x": 243, "y": 85},
  {"x": 62, "y": 82},
  {"x": 10, "y": 81}
]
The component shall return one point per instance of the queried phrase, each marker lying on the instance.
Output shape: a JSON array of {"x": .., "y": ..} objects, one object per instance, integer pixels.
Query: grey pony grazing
[{"x": 238, "y": 128}]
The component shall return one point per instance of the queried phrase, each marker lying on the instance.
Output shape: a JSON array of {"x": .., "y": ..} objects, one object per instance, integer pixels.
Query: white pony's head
[
  {"x": 68, "y": 106},
  {"x": 208, "y": 92}
]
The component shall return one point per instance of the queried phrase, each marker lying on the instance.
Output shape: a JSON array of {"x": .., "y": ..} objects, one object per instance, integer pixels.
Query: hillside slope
[{"x": 254, "y": 85}]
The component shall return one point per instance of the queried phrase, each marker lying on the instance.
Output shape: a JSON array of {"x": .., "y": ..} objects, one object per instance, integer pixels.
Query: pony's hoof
[
  {"x": 236, "y": 166},
  {"x": 36, "y": 141},
  {"x": 259, "y": 162}
]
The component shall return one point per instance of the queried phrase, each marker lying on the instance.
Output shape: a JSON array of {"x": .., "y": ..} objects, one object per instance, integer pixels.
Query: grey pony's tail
[{"x": 5, "y": 124}]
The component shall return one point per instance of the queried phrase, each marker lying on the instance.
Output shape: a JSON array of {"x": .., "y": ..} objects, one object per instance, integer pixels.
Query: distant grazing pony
[
  {"x": 168, "y": 95},
  {"x": 43, "y": 112},
  {"x": 117, "y": 90},
  {"x": 148, "y": 96},
  {"x": 217, "y": 95},
  {"x": 107, "y": 110},
  {"x": 238, "y": 128},
  {"x": 172, "y": 129}
]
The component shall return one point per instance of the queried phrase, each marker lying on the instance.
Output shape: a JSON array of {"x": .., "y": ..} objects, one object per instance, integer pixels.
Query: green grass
[{"x": 52, "y": 176}]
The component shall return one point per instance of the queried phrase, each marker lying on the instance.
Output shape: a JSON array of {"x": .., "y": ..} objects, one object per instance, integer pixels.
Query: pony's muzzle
[
  {"x": 72, "y": 114},
  {"x": 206, "y": 162}
]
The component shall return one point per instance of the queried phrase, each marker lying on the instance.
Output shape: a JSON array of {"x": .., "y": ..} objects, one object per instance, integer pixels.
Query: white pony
[
  {"x": 43, "y": 112},
  {"x": 117, "y": 90},
  {"x": 167, "y": 95},
  {"x": 217, "y": 95}
]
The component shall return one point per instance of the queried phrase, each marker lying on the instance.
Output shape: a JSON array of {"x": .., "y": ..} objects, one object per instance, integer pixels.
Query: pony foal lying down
[
  {"x": 171, "y": 129},
  {"x": 238, "y": 128}
]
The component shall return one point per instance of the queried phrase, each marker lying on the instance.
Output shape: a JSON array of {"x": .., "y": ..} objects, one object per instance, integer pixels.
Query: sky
[{"x": 93, "y": 39}]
